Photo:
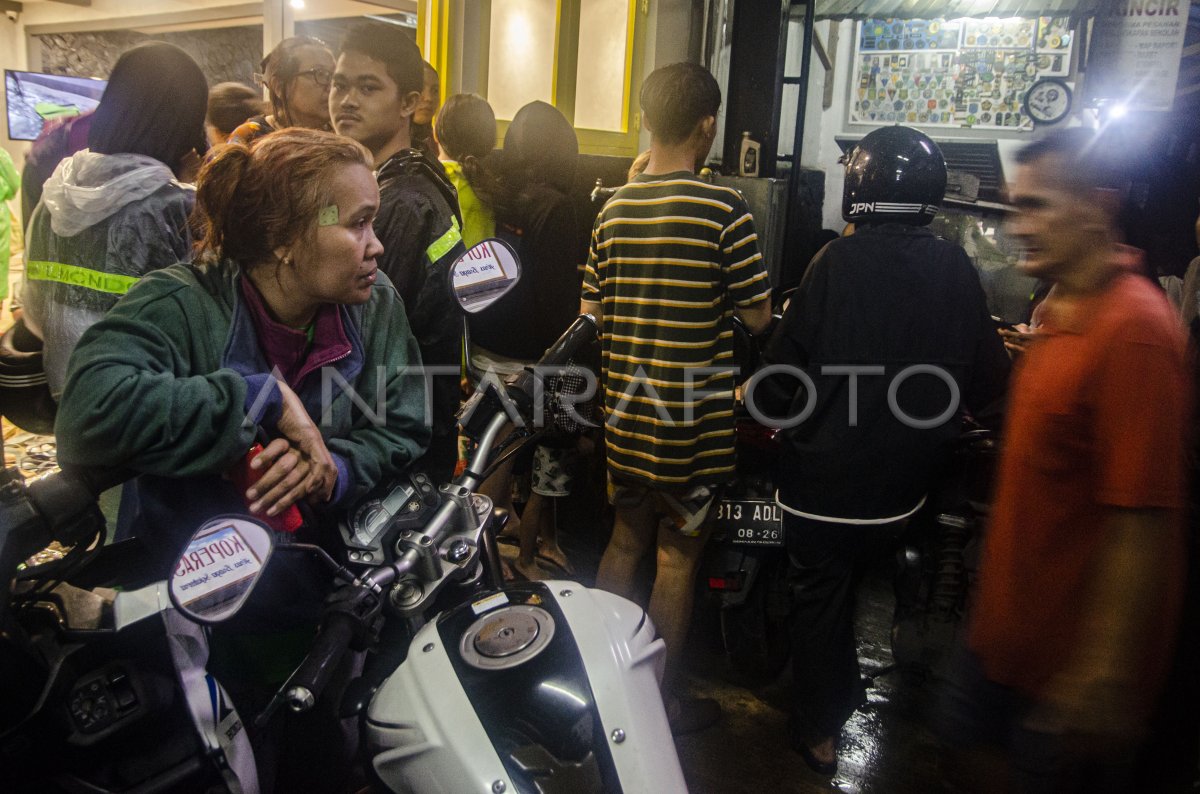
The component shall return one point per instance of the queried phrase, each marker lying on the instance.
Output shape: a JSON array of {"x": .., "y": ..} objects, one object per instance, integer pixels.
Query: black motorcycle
[
  {"x": 745, "y": 566},
  {"x": 938, "y": 562}
]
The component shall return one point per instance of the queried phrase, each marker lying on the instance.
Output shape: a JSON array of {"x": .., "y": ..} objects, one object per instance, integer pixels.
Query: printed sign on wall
[{"x": 1135, "y": 52}]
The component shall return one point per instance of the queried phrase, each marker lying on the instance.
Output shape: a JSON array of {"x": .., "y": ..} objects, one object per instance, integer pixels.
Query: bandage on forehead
[{"x": 328, "y": 216}]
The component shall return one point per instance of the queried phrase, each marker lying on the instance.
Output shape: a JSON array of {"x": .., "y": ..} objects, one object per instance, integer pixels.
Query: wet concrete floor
[{"x": 887, "y": 747}]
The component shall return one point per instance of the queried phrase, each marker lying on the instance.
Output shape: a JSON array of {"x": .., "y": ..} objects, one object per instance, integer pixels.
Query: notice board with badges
[{"x": 955, "y": 72}]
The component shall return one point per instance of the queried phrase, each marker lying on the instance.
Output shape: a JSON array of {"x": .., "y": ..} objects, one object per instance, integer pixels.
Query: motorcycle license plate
[{"x": 750, "y": 522}]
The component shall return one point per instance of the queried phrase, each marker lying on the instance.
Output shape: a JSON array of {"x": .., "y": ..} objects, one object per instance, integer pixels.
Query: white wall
[
  {"x": 821, "y": 125},
  {"x": 664, "y": 41}
]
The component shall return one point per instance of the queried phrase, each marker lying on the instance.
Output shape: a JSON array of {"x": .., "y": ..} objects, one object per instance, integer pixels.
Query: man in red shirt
[{"x": 1082, "y": 567}]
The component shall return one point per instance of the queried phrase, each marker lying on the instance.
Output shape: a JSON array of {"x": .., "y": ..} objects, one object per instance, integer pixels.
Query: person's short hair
[
  {"x": 280, "y": 67},
  {"x": 252, "y": 200},
  {"x": 466, "y": 127},
  {"x": 154, "y": 105},
  {"x": 230, "y": 105},
  {"x": 676, "y": 98},
  {"x": 393, "y": 47},
  {"x": 1086, "y": 165}
]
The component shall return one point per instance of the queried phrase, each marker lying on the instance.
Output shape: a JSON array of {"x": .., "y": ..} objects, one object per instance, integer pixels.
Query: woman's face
[
  {"x": 308, "y": 92},
  {"x": 431, "y": 97},
  {"x": 337, "y": 265}
]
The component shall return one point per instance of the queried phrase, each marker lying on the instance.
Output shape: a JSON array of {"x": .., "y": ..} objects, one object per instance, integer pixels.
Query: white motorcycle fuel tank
[{"x": 541, "y": 687}]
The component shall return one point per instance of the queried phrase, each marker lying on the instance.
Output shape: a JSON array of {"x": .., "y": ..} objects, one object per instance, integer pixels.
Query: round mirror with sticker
[
  {"x": 219, "y": 568},
  {"x": 484, "y": 274}
]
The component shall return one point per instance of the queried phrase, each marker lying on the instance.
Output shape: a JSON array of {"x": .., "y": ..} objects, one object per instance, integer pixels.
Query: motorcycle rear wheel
[{"x": 755, "y": 633}]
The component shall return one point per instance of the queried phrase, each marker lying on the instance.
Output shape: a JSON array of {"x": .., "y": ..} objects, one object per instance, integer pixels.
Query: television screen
[{"x": 35, "y": 98}]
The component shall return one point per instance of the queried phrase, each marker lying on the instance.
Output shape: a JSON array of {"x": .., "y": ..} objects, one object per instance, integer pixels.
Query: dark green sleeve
[
  {"x": 377, "y": 450},
  {"x": 142, "y": 392}
]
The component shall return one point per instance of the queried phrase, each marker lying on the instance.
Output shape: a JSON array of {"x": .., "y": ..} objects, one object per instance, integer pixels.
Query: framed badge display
[{"x": 955, "y": 72}]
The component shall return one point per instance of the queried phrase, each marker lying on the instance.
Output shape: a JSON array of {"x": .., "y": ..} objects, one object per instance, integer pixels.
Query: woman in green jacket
[{"x": 284, "y": 327}]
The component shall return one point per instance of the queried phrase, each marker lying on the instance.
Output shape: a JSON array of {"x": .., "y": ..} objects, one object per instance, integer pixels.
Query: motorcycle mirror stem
[{"x": 341, "y": 572}]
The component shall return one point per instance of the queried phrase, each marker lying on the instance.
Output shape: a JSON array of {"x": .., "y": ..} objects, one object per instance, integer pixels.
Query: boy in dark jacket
[
  {"x": 891, "y": 329},
  {"x": 376, "y": 89}
]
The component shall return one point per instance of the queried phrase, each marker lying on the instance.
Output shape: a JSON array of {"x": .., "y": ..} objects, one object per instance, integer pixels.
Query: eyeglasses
[{"x": 322, "y": 77}]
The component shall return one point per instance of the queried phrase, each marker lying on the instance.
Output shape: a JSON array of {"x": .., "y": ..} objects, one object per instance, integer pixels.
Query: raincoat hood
[{"x": 87, "y": 188}]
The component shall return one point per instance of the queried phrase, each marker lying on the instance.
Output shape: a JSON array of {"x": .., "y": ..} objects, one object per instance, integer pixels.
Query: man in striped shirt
[{"x": 672, "y": 260}]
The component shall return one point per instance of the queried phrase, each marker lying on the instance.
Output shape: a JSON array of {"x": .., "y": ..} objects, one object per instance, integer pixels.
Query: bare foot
[
  {"x": 508, "y": 571},
  {"x": 513, "y": 528},
  {"x": 555, "y": 555},
  {"x": 530, "y": 570},
  {"x": 824, "y": 752}
]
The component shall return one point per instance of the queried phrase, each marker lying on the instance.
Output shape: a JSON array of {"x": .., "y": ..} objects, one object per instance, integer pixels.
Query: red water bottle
[{"x": 244, "y": 477}]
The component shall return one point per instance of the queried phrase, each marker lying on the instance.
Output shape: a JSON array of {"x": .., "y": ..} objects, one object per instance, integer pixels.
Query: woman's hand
[
  {"x": 288, "y": 477},
  {"x": 297, "y": 465}
]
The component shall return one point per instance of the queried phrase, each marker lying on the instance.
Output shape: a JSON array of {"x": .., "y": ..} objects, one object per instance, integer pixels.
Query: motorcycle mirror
[
  {"x": 484, "y": 274},
  {"x": 219, "y": 568}
]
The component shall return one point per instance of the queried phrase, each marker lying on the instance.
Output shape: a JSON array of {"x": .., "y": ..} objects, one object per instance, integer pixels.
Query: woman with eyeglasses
[{"x": 297, "y": 74}]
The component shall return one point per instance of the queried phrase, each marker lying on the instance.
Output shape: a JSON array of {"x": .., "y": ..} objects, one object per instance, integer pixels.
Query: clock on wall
[{"x": 1048, "y": 101}]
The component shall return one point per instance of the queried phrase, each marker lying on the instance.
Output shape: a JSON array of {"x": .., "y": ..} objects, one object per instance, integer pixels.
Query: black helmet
[{"x": 894, "y": 175}]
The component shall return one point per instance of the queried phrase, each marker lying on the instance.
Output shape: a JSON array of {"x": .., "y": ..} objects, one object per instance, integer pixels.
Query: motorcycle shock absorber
[{"x": 949, "y": 582}]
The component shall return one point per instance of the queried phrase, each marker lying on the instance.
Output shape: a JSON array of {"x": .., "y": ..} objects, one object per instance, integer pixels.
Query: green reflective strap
[
  {"x": 77, "y": 276},
  {"x": 443, "y": 245}
]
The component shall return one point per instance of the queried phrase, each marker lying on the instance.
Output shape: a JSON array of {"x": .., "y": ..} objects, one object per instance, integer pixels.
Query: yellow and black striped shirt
[{"x": 671, "y": 257}]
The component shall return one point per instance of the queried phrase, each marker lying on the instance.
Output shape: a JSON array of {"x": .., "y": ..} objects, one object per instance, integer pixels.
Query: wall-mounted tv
[{"x": 35, "y": 98}]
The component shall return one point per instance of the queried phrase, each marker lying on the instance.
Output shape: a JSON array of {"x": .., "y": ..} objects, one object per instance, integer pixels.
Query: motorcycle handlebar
[
  {"x": 337, "y": 630},
  {"x": 98, "y": 479},
  {"x": 582, "y": 331},
  {"x": 311, "y": 677},
  {"x": 338, "y": 627},
  {"x": 61, "y": 499},
  {"x": 523, "y": 389}
]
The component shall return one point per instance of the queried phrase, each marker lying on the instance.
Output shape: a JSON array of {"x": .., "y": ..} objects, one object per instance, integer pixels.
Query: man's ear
[
  {"x": 409, "y": 102},
  {"x": 703, "y": 135}
]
